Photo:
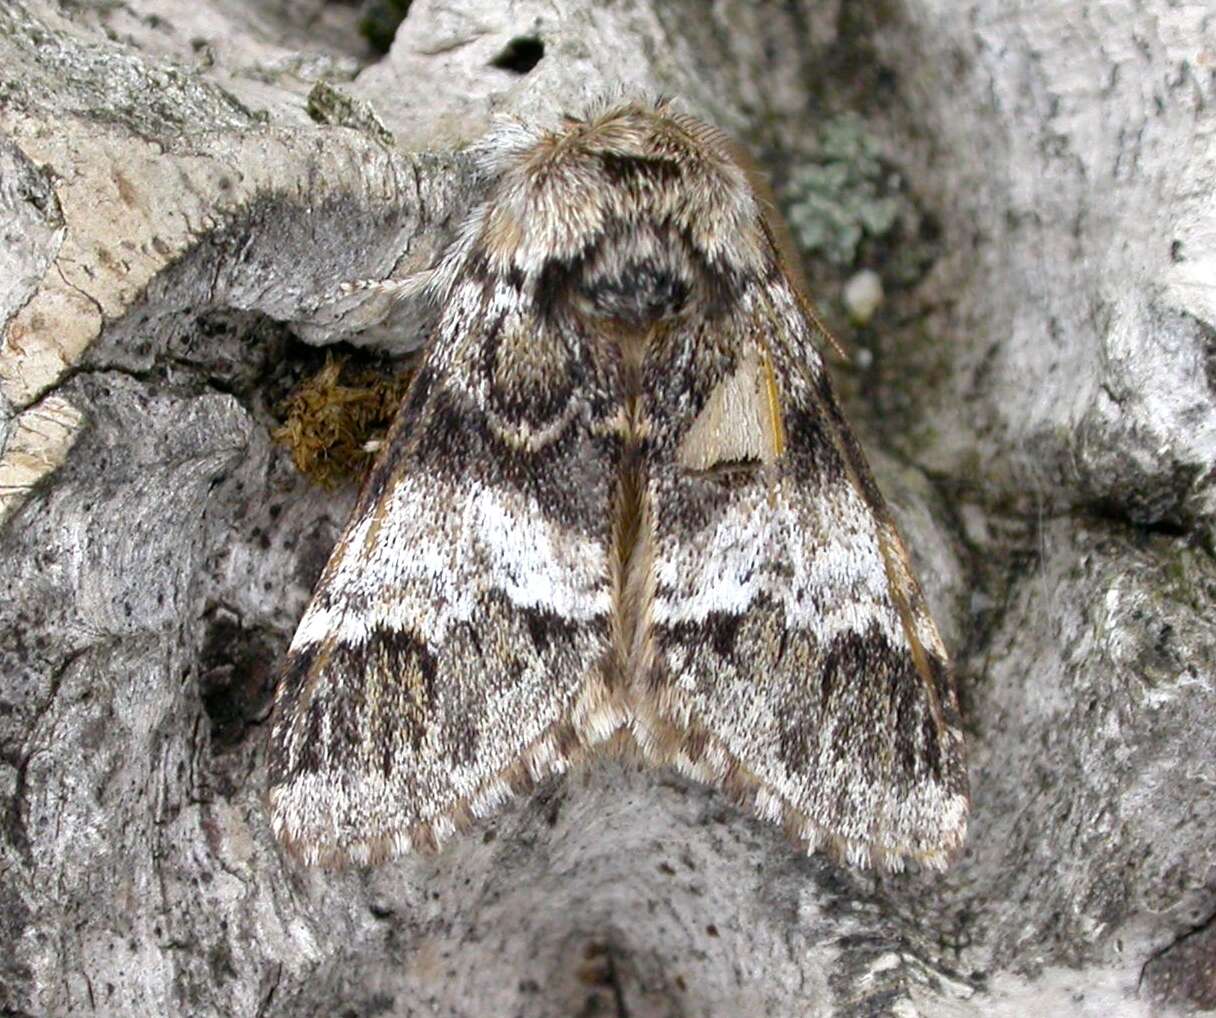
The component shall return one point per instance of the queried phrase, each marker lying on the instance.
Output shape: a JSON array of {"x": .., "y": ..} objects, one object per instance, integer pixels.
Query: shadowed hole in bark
[
  {"x": 236, "y": 677},
  {"x": 1209, "y": 352},
  {"x": 599, "y": 973},
  {"x": 380, "y": 21},
  {"x": 520, "y": 55}
]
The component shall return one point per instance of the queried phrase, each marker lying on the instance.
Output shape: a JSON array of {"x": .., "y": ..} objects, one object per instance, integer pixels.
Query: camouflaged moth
[{"x": 619, "y": 497}]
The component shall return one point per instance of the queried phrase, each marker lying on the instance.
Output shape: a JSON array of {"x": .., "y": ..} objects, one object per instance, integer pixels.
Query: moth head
[
  {"x": 634, "y": 275},
  {"x": 630, "y": 214}
]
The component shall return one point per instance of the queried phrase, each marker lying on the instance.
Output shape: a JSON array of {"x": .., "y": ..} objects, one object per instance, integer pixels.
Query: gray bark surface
[{"x": 1035, "y": 187}]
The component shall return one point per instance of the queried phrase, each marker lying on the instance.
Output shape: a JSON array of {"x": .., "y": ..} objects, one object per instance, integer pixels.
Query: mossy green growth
[
  {"x": 842, "y": 194},
  {"x": 328, "y": 104},
  {"x": 333, "y": 420},
  {"x": 1186, "y": 573}
]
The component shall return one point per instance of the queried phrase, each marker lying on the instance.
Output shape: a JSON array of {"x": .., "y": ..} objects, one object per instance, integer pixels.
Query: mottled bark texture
[{"x": 1034, "y": 186}]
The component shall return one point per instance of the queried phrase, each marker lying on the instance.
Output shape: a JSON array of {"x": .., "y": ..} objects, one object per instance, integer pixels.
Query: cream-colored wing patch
[{"x": 741, "y": 421}]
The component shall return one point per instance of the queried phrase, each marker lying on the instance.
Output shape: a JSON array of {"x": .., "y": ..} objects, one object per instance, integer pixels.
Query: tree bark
[{"x": 1033, "y": 185}]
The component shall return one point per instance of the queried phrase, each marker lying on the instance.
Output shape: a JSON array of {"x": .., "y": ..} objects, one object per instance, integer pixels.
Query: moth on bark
[{"x": 619, "y": 499}]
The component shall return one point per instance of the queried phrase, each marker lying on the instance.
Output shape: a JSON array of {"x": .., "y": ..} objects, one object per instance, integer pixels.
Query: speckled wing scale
[{"x": 620, "y": 498}]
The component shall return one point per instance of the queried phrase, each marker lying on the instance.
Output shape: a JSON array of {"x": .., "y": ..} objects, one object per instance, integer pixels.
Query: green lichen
[
  {"x": 843, "y": 193},
  {"x": 328, "y": 104},
  {"x": 1186, "y": 573}
]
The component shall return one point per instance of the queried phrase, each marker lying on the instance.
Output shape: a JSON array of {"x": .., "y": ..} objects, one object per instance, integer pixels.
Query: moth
[{"x": 619, "y": 503}]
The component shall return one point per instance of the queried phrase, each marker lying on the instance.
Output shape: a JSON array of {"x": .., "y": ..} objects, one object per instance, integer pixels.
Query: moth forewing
[
  {"x": 789, "y": 655},
  {"x": 456, "y": 646}
]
